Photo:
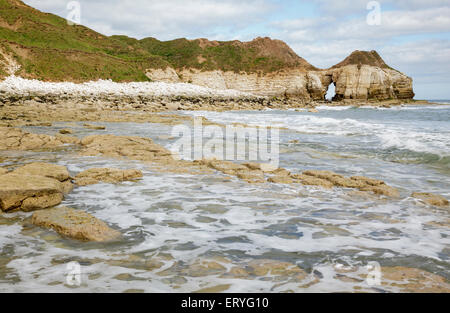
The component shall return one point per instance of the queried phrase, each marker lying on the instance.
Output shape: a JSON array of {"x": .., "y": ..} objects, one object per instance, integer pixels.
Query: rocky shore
[
  {"x": 156, "y": 97},
  {"x": 40, "y": 188}
]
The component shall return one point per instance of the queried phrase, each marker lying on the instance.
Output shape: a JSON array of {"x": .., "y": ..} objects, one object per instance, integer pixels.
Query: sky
[{"x": 412, "y": 36}]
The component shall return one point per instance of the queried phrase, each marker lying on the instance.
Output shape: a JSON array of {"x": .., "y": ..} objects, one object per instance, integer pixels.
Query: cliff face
[
  {"x": 364, "y": 75},
  {"x": 353, "y": 81}
]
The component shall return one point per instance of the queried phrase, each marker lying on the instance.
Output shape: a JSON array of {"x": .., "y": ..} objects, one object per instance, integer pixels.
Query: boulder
[
  {"x": 431, "y": 199},
  {"x": 75, "y": 224},
  {"x": 106, "y": 175},
  {"x": 29, "y": 192}
]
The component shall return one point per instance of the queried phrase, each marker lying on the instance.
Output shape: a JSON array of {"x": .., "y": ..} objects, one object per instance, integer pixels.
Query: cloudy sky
[{"x": 411, "y": 35}]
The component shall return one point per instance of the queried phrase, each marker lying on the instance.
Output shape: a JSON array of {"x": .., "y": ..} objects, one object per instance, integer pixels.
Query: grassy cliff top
[
  {"x": 49, "y": 49},
  {"x": 357, "y": 57}
]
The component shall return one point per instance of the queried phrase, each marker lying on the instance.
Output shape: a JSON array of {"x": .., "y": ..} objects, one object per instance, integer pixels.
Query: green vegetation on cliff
[{"x": 47, "y": 48}]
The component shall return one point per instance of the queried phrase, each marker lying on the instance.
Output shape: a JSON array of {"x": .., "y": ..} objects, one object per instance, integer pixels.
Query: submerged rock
[
  {"x": 29, "y": 192},
  {"x": 94, "y": 127},
  {"x": 413, "y": 280},
  {"x": 430, "y": 198},
  {"x": 65, "y": 131},
  {"x": 75, "y": 224},
  {"x": 106, "y": 175}
]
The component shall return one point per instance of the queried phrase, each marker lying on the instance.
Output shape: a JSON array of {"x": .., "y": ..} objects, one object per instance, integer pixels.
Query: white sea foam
[{"x": 405, "y": 136}]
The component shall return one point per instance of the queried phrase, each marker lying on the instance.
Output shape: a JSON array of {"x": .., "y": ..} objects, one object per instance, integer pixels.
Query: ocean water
[{"x": 182, "y": 220}]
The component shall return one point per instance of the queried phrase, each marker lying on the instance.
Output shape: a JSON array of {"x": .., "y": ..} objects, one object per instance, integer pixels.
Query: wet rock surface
[
  {"x": 75, "y": 224},
  {"x": 431, "y": 199},
  {"x": 17, "y": 139},
  {"x": 106, "y": 175},
  {"x": 29, "y": 192}
]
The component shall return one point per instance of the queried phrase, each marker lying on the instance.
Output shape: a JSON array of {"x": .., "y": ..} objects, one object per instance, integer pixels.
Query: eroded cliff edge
[{"x": 361, "y": 76}]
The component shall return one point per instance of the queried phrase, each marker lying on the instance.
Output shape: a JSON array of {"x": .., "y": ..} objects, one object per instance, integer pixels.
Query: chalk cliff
[{"x": 361, "y": 76}]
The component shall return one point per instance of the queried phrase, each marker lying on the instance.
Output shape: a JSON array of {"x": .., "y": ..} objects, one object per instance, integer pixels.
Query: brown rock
[
  {"x": 29, "y": 192},
  {"x": 57, "y": 172},
  {"x": 281, "y": 179},
  {"x": 430, "y": 198},
  {"x": 94, "y": 127},
  {"x": 312, "y": 181},
  {"x": 106, "y": 175},
  {"x": 265, "y": 167},
  {"x": 382, "y": 190},
  {"x": 226, "y": 167},
  {"x": 368, "y": 181},
  {"x": 66, "y": 131},
  {"x": 253, "y": 177},
  {"x": 322, "y": 174},
  {"x": 413, "y": 280},
  {"x": 68, "y": 139},
  {"x": 136, "y": 148},
  {"x": 3, "y": 171},
  {"x": 74, "y": 224},
  {"x": 16, "y": 139}
]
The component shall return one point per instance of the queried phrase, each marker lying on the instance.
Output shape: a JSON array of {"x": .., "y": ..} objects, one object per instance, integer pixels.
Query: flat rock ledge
[
  {"x": 58, "y": 172},
  {"x": 17, "y": 139},
  {"x": 75, "y": 224},
  {"x": 259, "y": 173},
  {"x": 431, "y": 199},
  {"x": 106, "y": 175},
  {"x": 29, "y": 192}
]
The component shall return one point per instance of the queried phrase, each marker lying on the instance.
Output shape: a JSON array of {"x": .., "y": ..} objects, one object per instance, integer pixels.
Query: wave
[{"x": 416, "y": 138}]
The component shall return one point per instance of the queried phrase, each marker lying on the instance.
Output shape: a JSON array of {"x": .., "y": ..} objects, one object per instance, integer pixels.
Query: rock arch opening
[{"x": 331, "y": 92}]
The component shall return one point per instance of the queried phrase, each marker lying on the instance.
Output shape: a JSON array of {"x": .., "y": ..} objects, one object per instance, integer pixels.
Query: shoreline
[{"x": 160, "y": 97}]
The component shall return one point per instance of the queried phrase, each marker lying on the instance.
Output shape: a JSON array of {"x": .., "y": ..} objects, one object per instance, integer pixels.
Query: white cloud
[{"x": 163, "y": 19}]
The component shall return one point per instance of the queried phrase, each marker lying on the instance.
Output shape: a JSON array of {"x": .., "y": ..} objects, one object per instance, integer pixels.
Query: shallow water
[{"x": 179, "y": 220}]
